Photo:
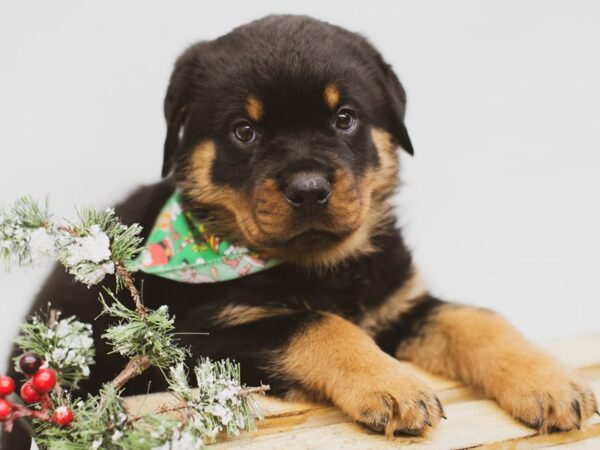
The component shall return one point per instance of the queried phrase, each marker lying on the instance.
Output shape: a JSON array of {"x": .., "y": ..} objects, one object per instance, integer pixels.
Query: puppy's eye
[
  {"x": 345, "y": 120},
  {"x": 244, "y": 132}
]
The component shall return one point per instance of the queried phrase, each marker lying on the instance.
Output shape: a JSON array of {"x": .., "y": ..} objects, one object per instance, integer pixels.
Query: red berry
[
  {"x": 29, "y": 394},
  {"x": 63, "y": 416},
  {"x": 5, "y": 408},
  {"x": 7, "y": 386},
  {"x": 30, "y": 363},
  {"x": 44, "y": 380}
]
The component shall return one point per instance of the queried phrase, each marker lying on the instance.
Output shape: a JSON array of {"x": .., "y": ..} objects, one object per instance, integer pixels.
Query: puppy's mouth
[
  {"x": 312, "y": 223},
  {"x": 312, "y": 239}
]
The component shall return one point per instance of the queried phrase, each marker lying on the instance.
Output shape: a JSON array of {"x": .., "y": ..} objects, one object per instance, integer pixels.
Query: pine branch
[
  {"x": 150, "y": 336},
  {"x": 134, "y": 367},
  {"x": 52, "y": 317},
  {"x": 129, "y": 283},
  {"x": 262, "y": 389},
  {"x": 21, "y": 223},
  {"x": 165, "y": 409},
  {"x": 65, "y": 344},
  {"x": 96, "y": 245}
]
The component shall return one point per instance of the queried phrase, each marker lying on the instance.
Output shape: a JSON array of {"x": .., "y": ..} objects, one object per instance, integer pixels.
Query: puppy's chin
[
  {"x": 321, "y": 250},
  {"x": 314, "y": 248},
  {"x": 339, "y": 234},
  {"x": 309, "y": 240},
  {"x": 316, "y": 240}
]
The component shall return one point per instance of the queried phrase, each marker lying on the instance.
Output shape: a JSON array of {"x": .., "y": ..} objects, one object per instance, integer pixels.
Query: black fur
[
  {"x": 409, "y": 325},
  {"x": 285, "y": 61}
]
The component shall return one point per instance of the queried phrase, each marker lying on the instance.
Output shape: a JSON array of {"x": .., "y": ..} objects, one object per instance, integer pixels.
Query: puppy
[{"x": 282, "y": 136}]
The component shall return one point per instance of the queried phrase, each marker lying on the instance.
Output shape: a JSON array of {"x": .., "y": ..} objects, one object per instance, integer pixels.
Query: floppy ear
[
  {"x": 174, "y": 129},
  {"x": 396, "y": 104},
  {"x": 177, "y": 102},
  {"x": 393, "y": 95}
]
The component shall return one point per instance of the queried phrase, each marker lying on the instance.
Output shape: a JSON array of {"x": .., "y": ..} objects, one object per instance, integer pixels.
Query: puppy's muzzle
[{"x": 307, "y": 191}]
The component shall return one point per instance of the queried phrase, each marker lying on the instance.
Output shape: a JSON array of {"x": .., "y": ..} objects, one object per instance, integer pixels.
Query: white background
[{"x": 500, "y": 203}]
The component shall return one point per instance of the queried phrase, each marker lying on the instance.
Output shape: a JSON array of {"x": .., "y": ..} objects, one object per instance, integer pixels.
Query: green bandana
[{"x": 178, "y": 248}]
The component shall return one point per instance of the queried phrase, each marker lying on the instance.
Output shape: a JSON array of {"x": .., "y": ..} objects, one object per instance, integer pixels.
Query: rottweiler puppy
[{"x": 283, "y": 137}]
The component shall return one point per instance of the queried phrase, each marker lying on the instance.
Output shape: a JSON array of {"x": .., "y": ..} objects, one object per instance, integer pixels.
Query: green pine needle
[
  {"x": 67, "y": 346},
  {"x": 219, "y": 404},
  {"x": 125, "y": 241},
  {"x": 30, "y": 213},
  {"x": 16, "y": 224},
  {"x": 151, "y": 336}
]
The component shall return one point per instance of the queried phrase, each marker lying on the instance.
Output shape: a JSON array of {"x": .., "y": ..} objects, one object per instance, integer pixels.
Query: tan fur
[
  {"x": 338, "y": 361},
  {"x": 346, "y": 209},
  {"x": 356, "y": 213},
  {"x": 235, "y": 215},
  {"x": 270, "y": 219},
  {"x": 371, "y": 208},
  {"x": 385, "y": 176},
  {"x": 233, "y": 315},
  {"x": 272, "y": 212},
  {"x": 482, "y": 349},
  {"x": 349, "y": 202},
  {"x": 398, "y": 303},
  {"x": 254, "y": 108},
  {"x": 349, "y": 211},
  {"x": 358, "y": 243},
  {"x": 331, "y": 94},
  {"x": 358, "y": 206}
]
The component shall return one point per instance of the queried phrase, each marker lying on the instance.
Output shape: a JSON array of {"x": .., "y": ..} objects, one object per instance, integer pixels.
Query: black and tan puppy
[{"x": 283, "y": 136}]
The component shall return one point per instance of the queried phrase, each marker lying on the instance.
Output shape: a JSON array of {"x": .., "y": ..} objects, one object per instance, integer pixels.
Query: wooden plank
[
  {"x": 561, "y": 441},
  {"x": 586, "y": 444},
  {"x": 473, "y": 420},
  {"x": 479, "y": 423}
]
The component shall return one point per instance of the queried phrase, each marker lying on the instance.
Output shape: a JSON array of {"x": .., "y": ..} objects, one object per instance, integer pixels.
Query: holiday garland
[{"x": 58, "y": 352}]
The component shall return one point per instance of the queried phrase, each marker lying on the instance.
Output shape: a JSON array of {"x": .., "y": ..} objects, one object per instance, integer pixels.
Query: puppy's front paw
[
  {"x": 396, "y": 413},
  {"x": 393, "y": 402},
  {"x": 548, "y": 397}
]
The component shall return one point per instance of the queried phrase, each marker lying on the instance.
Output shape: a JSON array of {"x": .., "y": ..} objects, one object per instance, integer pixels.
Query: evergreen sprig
[
  {"x": 151, "y": 336},
  {"x": 66, "y": 345},
  {"x": 125, "y": 240},
  {"x": 218, "y": 404},
  {"x": 96, "y": 245},
  {"x": 30, "y": 213},
  {"x": 98, "y": 418},
  {"x": 17, "y": 223},
  {"x": 91, "y": 247}
]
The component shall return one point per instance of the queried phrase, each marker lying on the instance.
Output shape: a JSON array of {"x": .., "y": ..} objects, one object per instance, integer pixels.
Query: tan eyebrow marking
[
  {"x": 254, "y": 108},
  {"x": 331, "y": 95}
]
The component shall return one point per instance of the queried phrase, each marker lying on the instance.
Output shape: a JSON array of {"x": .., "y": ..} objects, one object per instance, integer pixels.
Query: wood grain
[{"x": 473, "y": 421}]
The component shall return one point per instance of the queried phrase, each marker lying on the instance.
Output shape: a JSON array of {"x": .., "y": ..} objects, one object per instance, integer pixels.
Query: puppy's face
[{"x": 282, "y": 137}]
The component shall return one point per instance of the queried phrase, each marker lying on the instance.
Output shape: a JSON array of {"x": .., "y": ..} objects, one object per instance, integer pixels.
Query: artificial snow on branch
[
  {"x": 23, "y": 235},
  {"x": 97, "y": 244},
  {"x": 66, "y": 345},
  {"x": 90, "y": 248},
  {"x": 219, "y": 404},
  {"x": 150, "y": 336}
]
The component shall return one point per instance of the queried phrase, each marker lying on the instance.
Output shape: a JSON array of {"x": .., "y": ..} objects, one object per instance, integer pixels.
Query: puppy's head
[{"x": 282, "y": 137}]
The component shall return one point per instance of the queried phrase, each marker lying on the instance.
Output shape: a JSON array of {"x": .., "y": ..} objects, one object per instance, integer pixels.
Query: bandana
[{"x": 178, "y": 248}]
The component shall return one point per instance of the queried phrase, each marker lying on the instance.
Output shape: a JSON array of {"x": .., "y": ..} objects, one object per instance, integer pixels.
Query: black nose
[{"x": 307, "y": 190}]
